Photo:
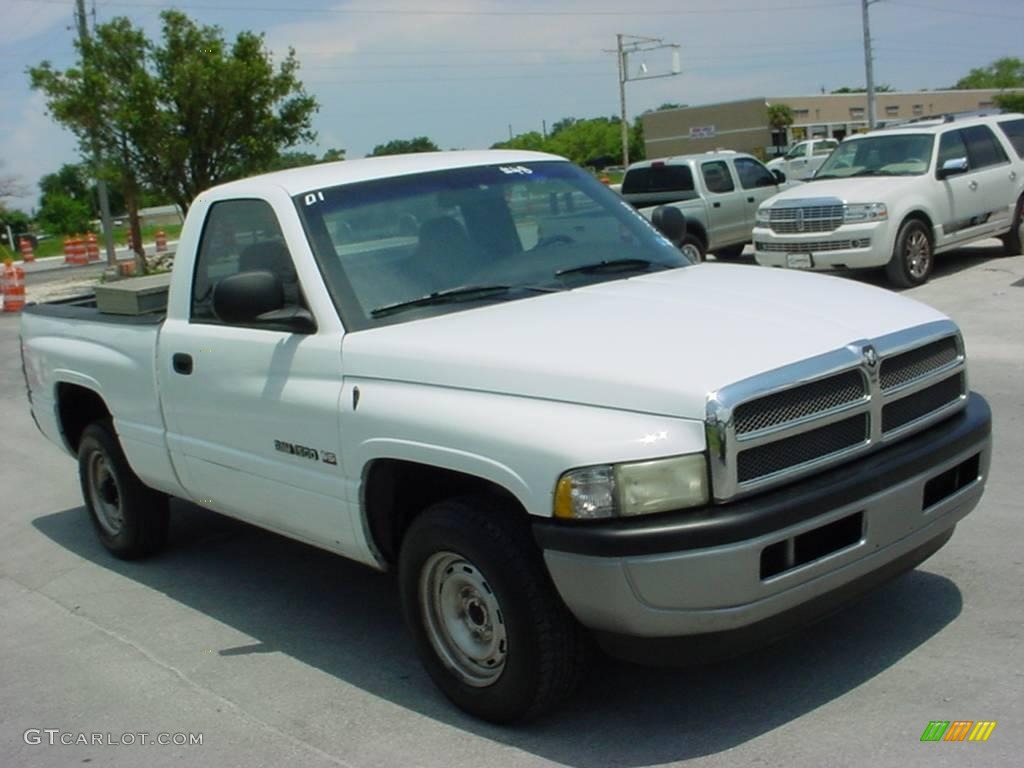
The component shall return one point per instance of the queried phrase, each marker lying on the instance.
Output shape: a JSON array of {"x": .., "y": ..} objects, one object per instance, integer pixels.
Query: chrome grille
[
  {"x": 806, "y": 218},
  {"x": 770, "y": 458},
  {"x": 812, "y": 246},
  {"x": 912, "y": 407},
  {"x": 763, "y": 432},
  {"x": 800, "y": 402},
  {"x": 912, "y": 365}
]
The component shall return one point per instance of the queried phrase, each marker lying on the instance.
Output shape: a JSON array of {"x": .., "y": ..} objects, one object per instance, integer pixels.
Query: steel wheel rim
[
  {"x": 917, "y": 253},
  {"x": 691, "y": 252},
  {"x": 463, "y": 619},
  {"x": 105, "y": 494}
]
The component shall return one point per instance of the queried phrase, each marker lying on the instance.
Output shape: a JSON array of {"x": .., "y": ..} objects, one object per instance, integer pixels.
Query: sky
[{"x": 466, "y": 72}]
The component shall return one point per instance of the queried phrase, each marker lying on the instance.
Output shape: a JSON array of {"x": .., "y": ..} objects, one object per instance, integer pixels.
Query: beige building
[{"x": 743, "y": 125}]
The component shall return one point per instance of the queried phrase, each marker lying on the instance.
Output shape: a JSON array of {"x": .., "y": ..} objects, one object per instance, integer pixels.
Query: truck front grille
[
  {"x": 789, "y": 422},
  {"x": 805, "y": 218}
]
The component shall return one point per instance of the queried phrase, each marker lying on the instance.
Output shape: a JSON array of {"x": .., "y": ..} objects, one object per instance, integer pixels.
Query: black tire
[
  {"x": 130, "y": 518},
  {"x": 475, "y": 556},
  {"x": 693, "y": 247},
  {"x": 1012, "y": 245},
  {"x": 913, "y": 256},
  {"x": 732, "y": 252}
]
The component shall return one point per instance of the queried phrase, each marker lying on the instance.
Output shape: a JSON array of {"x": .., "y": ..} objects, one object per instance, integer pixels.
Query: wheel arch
[
  {"x": 394, "y": 491},
  {"x": 78, "y": 407}
]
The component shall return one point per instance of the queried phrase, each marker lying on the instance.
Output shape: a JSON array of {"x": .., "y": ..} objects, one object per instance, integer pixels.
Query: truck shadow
[{"x": 343, "y": 619}]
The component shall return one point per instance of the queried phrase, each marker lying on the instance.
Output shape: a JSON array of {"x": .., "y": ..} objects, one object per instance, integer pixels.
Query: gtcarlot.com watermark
[{"x": 55, "y": 737}]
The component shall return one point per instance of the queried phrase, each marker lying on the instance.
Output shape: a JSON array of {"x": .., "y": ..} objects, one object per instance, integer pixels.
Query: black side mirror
[
  {"x": 780, "y": 177},
  {"x": 670, "y": 222},
  {"x": 257, "y": 298},
  {"x": 953, "y": 167}
]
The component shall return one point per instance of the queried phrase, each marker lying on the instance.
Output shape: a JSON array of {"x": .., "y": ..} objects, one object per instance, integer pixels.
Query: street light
[{"x": 622, "y": 50}]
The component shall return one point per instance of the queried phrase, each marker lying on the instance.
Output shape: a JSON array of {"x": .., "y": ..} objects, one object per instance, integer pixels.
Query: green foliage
[
  {"x": 333, "y": 155},
  {"x": 594, "y": 141},
  {"x": 405, "y": 147},
  {"x": 1007, "y": 72},
  {"x": 881, "y": 88},
  {"x": 181, "y": 114},
  {"x": 1011, "y": 102},
  {"x": 64, "y": 215},
  {"x": 299, "y": 159},
  {"x": 780, "y": 116},
  {"x": 18, "y": 221}
]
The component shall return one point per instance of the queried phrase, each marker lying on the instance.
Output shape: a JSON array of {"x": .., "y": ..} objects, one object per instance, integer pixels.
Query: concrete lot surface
[{"x": 279, "y": 654}]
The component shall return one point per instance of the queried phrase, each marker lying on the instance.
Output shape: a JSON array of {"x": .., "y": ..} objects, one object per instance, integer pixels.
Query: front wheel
[
  {"x": 692, "y": 248},
  {"x": 912, "y": 257},
  {"x": 1012, "y": 240},
  {"x": 488, "y": 624},
  {"x": 130, "y": 518}
]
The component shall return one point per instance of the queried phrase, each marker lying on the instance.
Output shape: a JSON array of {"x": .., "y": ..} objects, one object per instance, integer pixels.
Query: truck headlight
[
  {"x": 636, "y": 488},
  {"x": 762, "y": 218},
  {"x": 859, "y": 212}
]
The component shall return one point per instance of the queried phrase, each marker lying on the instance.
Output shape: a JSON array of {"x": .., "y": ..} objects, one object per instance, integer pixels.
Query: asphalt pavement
[{"x": 278, "y": 654}]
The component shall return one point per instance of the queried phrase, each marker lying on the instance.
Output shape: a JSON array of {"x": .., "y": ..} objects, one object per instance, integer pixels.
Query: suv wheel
[
  {"x": 912, "y": 257},
  {"x": 692, "y": 248},
  {"x": 1012, "y": 240}
]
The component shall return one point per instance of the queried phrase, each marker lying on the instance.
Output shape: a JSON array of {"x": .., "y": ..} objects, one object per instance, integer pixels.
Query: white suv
[{"x": 895, "y": 197}]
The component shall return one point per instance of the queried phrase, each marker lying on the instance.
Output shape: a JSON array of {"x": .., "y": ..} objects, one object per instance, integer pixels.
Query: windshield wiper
[
  {"x": 458, "y": 293},
  {"x": 608, "y": 265}
]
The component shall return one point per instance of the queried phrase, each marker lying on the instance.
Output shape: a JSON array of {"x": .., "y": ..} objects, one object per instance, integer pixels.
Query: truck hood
[
  {"x": 657, "y": 343},
  {"x": 863, "y": 189}
]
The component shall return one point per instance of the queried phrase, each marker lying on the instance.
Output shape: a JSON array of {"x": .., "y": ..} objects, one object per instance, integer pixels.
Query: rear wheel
[
  {"x": 1014, "y": 239},
  {"x": 912, "y": 257},
  {"x": 488, "y": 624},
  {"x": 130, "y": 518}
]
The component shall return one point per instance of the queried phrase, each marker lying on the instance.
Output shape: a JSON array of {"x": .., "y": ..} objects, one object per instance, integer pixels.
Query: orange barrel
[
  {"x": 161, "y": 240},
  {"x": 67, "y": 250},
  {"x": 92, "y": 248},
  {"x": 13, "y": 288},
  {"x": 27, "y": 254},
  {"x": 78, "y": 255}
]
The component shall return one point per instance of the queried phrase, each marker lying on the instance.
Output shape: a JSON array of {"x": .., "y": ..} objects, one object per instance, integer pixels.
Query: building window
[
  {"x": 801, "y": 112},
  {"x": 892, "y": 111},
  {"x": 857, "y": 113},
  {"x": 918, "y": 109}
]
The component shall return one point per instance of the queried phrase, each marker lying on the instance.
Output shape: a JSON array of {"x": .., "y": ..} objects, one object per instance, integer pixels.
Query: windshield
[
  {"x": 880, "y": 155},
  {"x": 796, "y": 152},
  {"x": 403, "y": 248}
]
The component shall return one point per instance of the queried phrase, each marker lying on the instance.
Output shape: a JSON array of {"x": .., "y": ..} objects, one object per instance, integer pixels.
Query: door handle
[
  {"x": 1013, "y": 175},
  {"x": 750, "y": 199},
  {"x": 973, "y": 185},
  {"x": 716, "y": 205},
  {"x": 182, "y": 363}
]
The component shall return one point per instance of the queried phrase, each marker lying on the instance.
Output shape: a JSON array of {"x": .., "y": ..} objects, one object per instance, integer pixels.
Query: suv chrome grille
[
  {"x": 763, "y": 432},
  {"x": 805, "y": 218}
]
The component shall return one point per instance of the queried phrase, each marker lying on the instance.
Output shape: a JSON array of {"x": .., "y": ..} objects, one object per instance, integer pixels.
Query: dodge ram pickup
[{"x": 483, "y": 371}]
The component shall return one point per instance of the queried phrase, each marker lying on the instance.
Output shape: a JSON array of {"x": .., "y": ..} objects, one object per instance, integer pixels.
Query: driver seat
[{"x": 444, "y": 253}]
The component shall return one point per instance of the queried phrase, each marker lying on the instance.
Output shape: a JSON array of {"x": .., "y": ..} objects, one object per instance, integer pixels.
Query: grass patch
[{"x": 54, "y": 246}]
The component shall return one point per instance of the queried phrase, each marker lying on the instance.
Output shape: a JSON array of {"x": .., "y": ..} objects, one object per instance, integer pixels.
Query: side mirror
[
  {"x": 254, "y": 298},
  {"x": 780, "y": 177},
  {"x": 670, "y": 222},
  {"x": 953, "y": 167}
]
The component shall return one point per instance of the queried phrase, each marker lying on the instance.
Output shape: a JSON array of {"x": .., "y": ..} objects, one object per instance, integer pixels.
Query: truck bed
[{"x": 84, "y": 308}]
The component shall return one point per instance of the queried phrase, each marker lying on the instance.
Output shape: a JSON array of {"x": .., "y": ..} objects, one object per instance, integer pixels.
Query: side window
[
  {"x": 716, "y": 177},
  {"x": 752, "y": 174},
  {"x": 823, "y": 148},
  {"x": 657, "y": 178},
  {"x": 240, "y": 236},
  {"x": 951, "y": 147},
  {"x": 983, "y": 147},
  {"x": 1014, "y": 130}
]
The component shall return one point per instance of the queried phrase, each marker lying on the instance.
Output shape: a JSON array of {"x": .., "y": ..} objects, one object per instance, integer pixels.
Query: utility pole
[
  {"x": 868, "y": 63},
  {"x": 101, "y": 185},
  {"x": 622, "y": 51}
]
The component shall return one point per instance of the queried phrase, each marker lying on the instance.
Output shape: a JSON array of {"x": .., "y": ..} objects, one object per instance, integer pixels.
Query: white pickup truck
[
  {"x": 803, "y": 158},
  {"x": 898, "y": 196},
  {"x": 485, "y": 371}
]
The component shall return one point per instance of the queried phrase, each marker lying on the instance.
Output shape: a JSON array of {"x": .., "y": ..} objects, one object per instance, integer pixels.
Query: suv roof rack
[{"x": 950, "y": 117}]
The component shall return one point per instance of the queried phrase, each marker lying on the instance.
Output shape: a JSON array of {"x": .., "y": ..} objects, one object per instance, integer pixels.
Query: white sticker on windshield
[
  {"x": 513, "y": 170},
  {"x": 314, "y": 197}
]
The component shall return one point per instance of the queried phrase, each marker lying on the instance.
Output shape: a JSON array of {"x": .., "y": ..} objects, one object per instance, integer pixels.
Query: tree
[
  {"x": 882, "y": 88},
  {"x": 780, "y": 117},
  {"x": 180, "y": 115},
  {"x": 64, "y": 215},
  {"x": 1011, "y": 102},
  {"x": 405, "y": 147},
  {"x": 1007, "y": 72}
]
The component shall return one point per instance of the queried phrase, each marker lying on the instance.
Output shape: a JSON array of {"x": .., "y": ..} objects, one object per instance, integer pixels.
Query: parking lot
[{"x": 280, "y": 654}]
